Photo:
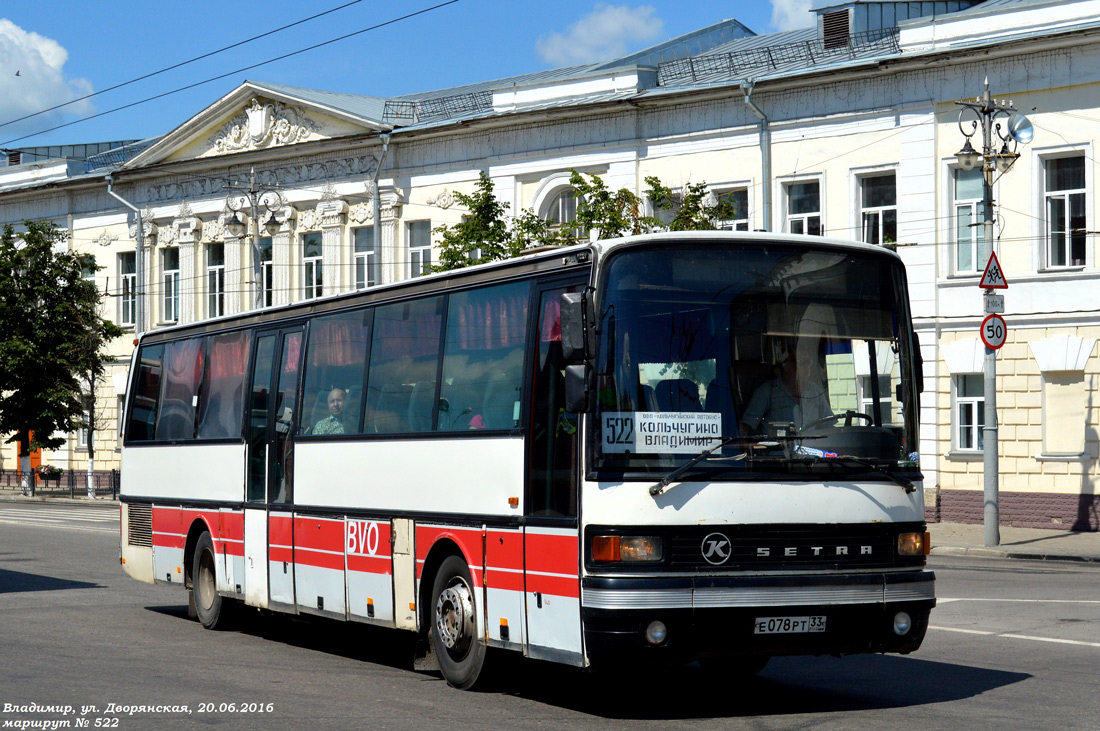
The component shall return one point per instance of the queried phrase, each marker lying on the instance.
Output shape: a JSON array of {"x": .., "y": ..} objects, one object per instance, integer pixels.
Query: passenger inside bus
[{"x": 333, "y": 423}]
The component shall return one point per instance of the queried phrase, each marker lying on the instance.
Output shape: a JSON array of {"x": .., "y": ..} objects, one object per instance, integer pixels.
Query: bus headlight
[
  {"x": 902, "y": 623},
  {"x": 913, "y": 544},
  {"x": 626, "y": 548},
  {"x": 656, "y": 632}
]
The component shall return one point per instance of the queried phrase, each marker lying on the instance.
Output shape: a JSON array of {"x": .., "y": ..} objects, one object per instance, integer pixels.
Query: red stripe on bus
[
  {"x": 370, "y": 564},
  {"x": 168, "y": 540},
  {"x": 505, "y": 580},
  {"x": 567, "y": 586},
  {"x": 467, "y": 539},
  {"x": 553, "y": 554},
  {"x": 280, "y": 529},
  {"x": 318, "y": 559},
  {"x": 279, "y": 553},
  {"x": 317, "y": 533}
]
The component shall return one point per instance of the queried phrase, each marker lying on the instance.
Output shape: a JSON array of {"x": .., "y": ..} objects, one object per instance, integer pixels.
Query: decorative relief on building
[
  {"x": 148, "y": 228},
  {"x": 328, "y": 192},
  {"x": 283, "y": 176},
  {"x": 263, "y": 125},
  {"x": 361, "y": 212},
  {"x": 308, "y": 220},
  {"x": 444, "y": 200},
  {"x": 106, "y": 239}
]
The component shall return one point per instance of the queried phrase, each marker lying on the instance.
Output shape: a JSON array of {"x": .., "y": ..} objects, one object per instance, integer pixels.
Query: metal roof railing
[{"x": 766, "y": 59}]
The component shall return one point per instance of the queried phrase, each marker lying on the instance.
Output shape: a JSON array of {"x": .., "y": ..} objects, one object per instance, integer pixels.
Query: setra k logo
[{"x": 716, "y": 548}]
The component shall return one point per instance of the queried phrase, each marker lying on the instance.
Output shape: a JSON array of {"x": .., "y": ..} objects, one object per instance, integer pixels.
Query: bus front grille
[{"x": 139, "y": 525}]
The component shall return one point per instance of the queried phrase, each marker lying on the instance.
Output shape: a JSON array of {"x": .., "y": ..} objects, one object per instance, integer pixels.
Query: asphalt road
[{"x": 1013, "y": 646}]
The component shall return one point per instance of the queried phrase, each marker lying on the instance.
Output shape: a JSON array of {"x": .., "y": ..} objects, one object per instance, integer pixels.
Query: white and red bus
[{"x": 661, "y": 448}]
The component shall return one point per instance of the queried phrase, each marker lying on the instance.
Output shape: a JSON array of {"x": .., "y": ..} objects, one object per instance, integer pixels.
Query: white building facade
[{"x": 849, "y": 130}]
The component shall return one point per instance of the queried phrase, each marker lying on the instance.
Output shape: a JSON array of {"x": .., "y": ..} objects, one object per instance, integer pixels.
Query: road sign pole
[{"x": 990, "y": 467}]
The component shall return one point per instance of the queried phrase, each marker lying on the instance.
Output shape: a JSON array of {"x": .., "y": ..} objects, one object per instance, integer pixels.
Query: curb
[
  {"x": 104, "y": 501},
  {"x": 982, "y": 552}
]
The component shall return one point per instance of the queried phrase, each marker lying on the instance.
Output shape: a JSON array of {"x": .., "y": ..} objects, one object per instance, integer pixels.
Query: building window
[
  {"x": 886, "y": 399},
  {"x": 561, "y": 210},
  {"x": 170, "y": 260},
  {"x": 969, "y": 411},
  {"x": 738, "y": 199},
  {"x": 804, "y": 208},
  {"x": 215, "y": 280},
  {"x": 127, "y": 270},
  {"x": 1065, "y": 207},
  {"x": 266, "y": 270},
  {"x": 879, "y": 209},
  {"x": 368, "y": 265},
  {"x": 420, "y": 247},
  {"x": 82, "y": 439},
  {"x": 312, "y": 266},
  {"x": 971, "y": 248}
]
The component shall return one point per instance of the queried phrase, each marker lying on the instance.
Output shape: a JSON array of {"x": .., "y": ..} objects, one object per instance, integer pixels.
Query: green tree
[
  {"x": 606, "y": 212},
  {"x": 487, "y": 234},
  {"x": 52, "y": 337},
  {"x": 693, "y": 212}
]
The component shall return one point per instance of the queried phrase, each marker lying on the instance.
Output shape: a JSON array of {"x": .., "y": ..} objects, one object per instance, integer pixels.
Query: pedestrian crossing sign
[{"x": 993, "y": 278}]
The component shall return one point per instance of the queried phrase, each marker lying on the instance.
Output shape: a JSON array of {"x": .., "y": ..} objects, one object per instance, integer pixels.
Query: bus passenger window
[
  {"x": 146, "y": 394},
  {"x": 333, "y": 387},
  {"x": 482, "y": 366},
  {"x": 222, "y": 393},
  {"x": 182, "y": 372},
  {"x": 404, "y": 356}
]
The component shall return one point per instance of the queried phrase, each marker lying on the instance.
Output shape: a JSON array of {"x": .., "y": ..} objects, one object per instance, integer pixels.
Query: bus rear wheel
[
  {"x": 454, "y": 625},
  {"x": 212, "y": 610}
]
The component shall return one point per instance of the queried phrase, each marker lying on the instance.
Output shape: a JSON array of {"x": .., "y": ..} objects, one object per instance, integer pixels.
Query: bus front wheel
[
  {"x": 454, "y": 624},
  {"x": 211, "y": 609}
]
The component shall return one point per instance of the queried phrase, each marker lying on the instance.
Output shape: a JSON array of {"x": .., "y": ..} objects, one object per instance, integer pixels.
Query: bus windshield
[{"x": 799, "y": 355}]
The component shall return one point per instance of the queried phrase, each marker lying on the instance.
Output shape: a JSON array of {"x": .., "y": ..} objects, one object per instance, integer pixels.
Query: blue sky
[{"x": 54, "y": 51}]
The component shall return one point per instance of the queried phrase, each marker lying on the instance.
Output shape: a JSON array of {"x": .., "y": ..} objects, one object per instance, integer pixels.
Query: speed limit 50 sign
[{"x": 994, "y": 331}]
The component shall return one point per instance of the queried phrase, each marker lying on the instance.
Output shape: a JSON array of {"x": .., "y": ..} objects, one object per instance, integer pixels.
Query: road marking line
[{"x": 1011, "y": 636}]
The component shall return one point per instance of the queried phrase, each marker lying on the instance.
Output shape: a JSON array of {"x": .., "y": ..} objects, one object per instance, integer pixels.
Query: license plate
[{"x": 788, "y": 625}]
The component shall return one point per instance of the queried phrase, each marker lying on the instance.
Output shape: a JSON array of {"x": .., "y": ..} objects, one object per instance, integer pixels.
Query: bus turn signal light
[
  {"x": 912, "y": 544},
  {"x": 626, "y": 548}
]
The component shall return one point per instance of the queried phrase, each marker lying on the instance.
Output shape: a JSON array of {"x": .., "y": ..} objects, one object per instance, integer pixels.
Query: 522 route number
[{"x": 994, "y": 331}]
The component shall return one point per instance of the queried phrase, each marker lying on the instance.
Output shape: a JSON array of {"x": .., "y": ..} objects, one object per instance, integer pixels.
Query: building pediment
[{"x": 258, "y": 117}]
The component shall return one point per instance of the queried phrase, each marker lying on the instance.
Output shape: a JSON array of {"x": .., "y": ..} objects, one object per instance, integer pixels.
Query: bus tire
[
  {"x": 453, "y": 628},
  {"x": 211, "y": 609}
]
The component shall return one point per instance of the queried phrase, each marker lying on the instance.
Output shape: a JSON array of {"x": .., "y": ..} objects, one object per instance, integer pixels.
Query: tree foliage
[
  {"x": 486, "y": 233},
  {"x": 695, "y": 209},
  {"x": 52, "y": 338}
]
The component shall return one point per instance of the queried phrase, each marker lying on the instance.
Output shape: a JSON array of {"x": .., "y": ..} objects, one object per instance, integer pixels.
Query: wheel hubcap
[{"x": 454, "y": 616}]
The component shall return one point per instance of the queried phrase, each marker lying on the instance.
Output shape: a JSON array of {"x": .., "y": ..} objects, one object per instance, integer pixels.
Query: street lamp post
[
  {"x": 255, "y": 197},
  {"x": 987, "y": 113}
]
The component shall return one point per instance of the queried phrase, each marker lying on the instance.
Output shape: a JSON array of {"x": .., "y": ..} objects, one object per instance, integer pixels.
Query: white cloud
[
  {"x": 792, "y": 14},
  {"x": 40, "y": 84},
  {"x": 608, "y": 32}
]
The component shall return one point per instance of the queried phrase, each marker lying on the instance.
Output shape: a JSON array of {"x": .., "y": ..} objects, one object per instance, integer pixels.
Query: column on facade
[
  {"x": 146, "y": 285},
  {"x": 282, "y": 260},
  {"x": 393, "y": 252},
  {"x": 238, "y": 265},
  {"x": 331, "y": 213},
  {"x": 187, "y": 232}
]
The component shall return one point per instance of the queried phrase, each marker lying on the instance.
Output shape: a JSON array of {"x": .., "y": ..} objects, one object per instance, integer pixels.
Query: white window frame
[
  {"x": 171, "y": 283},
  {"x": 1049, "y": 196},
  {"x": 267, "y": 271},
  {"x": 313, "y": 271},
  {"x": 420, "y": 252},
  {"x": 977, "y": 230},
  {"x": 215, "y": 282},
  {"x": 879, "y": 212},
  {"x": 735, "y": 224},
  {"x": 367, "y": 262},
  {"x": 976, "y": 405},
  {"x": 803, "y": 220},
  {"x": 127, "y": 304}
]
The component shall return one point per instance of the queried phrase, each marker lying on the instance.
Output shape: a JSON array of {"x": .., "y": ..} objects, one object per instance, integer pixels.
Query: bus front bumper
[{"x": 756, "y": 616}]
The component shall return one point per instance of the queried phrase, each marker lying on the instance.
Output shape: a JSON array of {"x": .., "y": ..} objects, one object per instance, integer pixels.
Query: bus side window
[
  {"x": 222, "y": 391},
  {"x": 335, "y": 358},
  {"x": 179, "y": 397},
  {"x": 146, "y": 395},
  {"x": 486, "y": 339},
  {"x": 405, "y": 350}
]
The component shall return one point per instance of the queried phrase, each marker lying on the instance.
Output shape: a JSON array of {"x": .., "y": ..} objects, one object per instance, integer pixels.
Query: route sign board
[
  {"x": 993, "y": 277},
  {"x": 994, "y": 331},
  {"x": 994, "y": 303}
]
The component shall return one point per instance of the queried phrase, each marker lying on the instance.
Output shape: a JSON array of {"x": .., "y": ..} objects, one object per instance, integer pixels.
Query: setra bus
[{"x": 659, "y": 448}]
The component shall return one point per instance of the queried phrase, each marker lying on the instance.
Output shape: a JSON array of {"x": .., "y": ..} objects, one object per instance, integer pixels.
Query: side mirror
[
  {"x": 578, "y": 396},
  {"x": 574, "y": 328}
]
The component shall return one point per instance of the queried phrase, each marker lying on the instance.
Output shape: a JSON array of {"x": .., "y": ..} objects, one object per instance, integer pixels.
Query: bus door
[
  {"x": 268, "y": 515},
  {"x": 551, "y": 544}
]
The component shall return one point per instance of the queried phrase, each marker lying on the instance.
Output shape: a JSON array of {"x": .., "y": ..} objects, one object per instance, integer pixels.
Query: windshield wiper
[
  {"x": 657, "y": 489},
  {"x": 899, "y": 479}
]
